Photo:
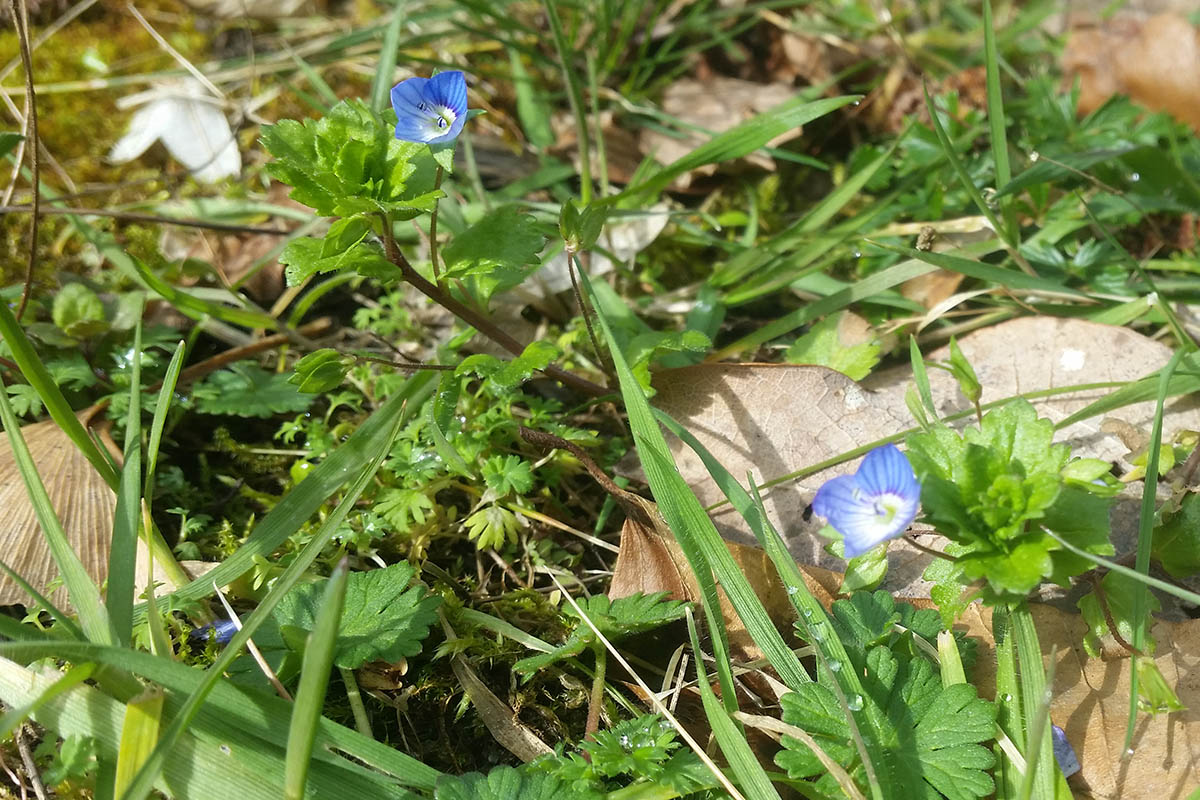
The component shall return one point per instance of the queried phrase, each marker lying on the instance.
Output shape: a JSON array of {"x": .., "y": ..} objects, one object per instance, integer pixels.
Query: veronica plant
[
  {"x": 430, "y": 110},
  {"x": 875, "y": 504}
]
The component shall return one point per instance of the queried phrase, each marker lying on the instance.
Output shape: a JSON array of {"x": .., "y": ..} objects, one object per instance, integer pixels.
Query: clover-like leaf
[
  {"x": 248, "y": 390},
  {"x": 386, "y": 615}
]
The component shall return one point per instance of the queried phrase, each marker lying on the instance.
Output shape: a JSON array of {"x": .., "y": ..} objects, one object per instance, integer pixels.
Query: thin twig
[
  {"x": 912, "y": 540},
  {"x": 31, "y": 770},
  {"x": 477, "y": 320},
  {"x": 31, "y": 135},
  {"x": 134, "y": 216},
  {"x": 175, "y": 54}
]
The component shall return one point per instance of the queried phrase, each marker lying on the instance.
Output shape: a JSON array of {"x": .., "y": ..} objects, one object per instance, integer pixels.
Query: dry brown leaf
[
  {"x": 1156, "y": 62},
  {"x": 774, "y": 419},
  {"x": 714, "y": 105},
  {"x": 83, "y": 500},
  {"x": 931, "y": 288},
  {"x": 1091, "y": 703}
]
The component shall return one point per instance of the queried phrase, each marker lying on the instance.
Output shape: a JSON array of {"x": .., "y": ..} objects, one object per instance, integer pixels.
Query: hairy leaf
[{"x": 386, "y": 615}]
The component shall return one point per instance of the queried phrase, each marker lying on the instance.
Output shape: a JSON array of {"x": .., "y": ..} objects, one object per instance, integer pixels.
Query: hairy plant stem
[
  {"x": 476, "y": 320},
  {"x": 597, "y": 698},
  {"x": 433, "y": 242},
  {"x": 586, "y": 311}
]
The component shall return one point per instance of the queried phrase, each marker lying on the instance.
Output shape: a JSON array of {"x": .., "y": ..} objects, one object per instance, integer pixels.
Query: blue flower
[
  {"x": 873, "y": 505},
  {"x": 430, "y": 109},
  {"x": 222, "y": 630}
]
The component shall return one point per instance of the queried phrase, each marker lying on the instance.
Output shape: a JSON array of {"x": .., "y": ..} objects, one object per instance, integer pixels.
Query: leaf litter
[{"x": 772, "y": 420}]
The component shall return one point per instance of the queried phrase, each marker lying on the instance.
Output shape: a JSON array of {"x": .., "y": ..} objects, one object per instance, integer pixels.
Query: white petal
[
  {"x": 144, "y": 130},
  {"x": 199, "y": 137}
]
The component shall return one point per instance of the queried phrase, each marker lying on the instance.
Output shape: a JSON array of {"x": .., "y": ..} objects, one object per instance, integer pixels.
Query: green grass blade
[
  {"x": 144, "y": 781},
  {"x": 72, "y": 677},
  {"x": 59, "y": 616},
  {"x": 867, "y": 287},
  {"x": 1179, "y": 383},
  {"x": 56, "y": 405},
  {"x": 1032, "y": 678},
  {"x": 961, "y": 171},
  {"x": 85, "y": 597},
  {"x": 978, "y": 270},
  {"x": 575, "y": 98},
  {"x": 996, "y": 120},
  {"x": 381, "y": 85},
  {"x": 261, "y": 716},
  {"x": 139, "y": 733},
  {"x": 216, "y": 760},
  {"x": 742, "y": 140},
  {"x": 533, "y": 110},
  {"x": 751, "y": 777},
  {"x": 314, "y": 681},
  {"x": 122, "y": 554},
  {"x": 170, "y": 379},
  {"x": 688, "y": 520},
  {"x": 307, "y": 497},
  {"x": 1145, "y": 538}
]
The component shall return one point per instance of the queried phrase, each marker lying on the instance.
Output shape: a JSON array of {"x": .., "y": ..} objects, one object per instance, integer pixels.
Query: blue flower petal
[
  {"x": 449, "y": 89},
  {"x": 430, "y": 109},
  {"x": 875, "y": 504},
  {"x": 886, "y": 470}
]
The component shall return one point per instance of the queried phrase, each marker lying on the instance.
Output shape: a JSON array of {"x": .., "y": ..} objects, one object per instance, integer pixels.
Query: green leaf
[
  {"x": 930, "y": 738},
  {"x": 648, "y": 347},
  {"x": 616, "y": 619},
  {"x": 1177, "y": 540},
  {"x": 507, "y": 783},
  {"x": 492, "y": 526},
  {"x": 503, "y": 246},
  {"x": 321, "y": 371},
  {"x": 866, "y": 571},
  {"x": 998, "y": 489},
  {"x": 350, "y": 162},
  {"x": 508, "y": 375},
  {"x": 306, "y": 257},
  {"x": 508, "y": 475},
  {"x": 386, "y": 615},
  {"x": 823, "y": 345},
  {"x": 1120, "y": 599},
  {"x": 248, "y": 390},
  {"x": 9, "y": 142},
  {"x": 78, "y": 312}
]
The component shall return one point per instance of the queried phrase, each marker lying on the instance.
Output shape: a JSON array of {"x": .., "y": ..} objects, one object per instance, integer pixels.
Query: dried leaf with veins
[{"x": 772, "y": 420}]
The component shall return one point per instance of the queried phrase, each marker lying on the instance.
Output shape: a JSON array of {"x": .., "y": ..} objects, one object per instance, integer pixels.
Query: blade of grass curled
[
  {"x": 1145, "y": 538},
  {"x": 122, "y": 553},
  {"x": 306, "y": 498},
  {"x": 1036, "y": 783},
  {"x": 751, "y": 777},
  {"x": 145, "y": 778},
  {"x": 85, "y": 597},
  {"x": 693, "y": 529},
  {"x": 314, "y": 681}
]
